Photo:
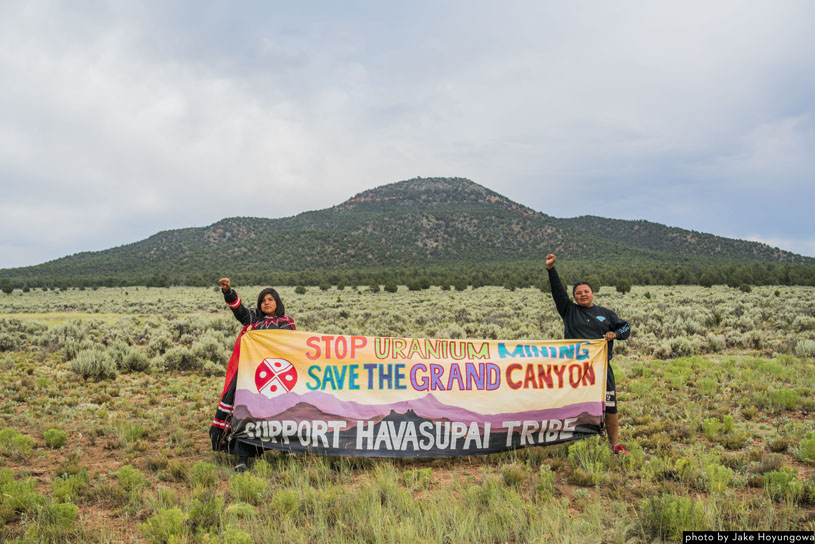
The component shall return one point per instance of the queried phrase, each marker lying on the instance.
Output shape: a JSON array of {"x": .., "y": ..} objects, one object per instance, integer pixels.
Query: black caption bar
[{"x": 739, "y": 537}]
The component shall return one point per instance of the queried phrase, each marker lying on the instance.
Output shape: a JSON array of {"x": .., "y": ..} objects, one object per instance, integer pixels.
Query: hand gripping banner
[{"x": 414, "y": 397}]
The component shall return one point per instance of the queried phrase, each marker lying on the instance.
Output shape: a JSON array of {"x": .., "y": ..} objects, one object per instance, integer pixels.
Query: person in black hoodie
[
  {"x": 269, "y": 314},
  {"x": 586, "y": 320}
]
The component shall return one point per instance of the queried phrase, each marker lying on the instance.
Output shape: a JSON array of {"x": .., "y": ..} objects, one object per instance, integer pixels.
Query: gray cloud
[{"x": 122, "y": 120}]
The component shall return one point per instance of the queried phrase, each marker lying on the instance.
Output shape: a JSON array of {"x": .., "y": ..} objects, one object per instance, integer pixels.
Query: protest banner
[{"x": 414, "y": 397}]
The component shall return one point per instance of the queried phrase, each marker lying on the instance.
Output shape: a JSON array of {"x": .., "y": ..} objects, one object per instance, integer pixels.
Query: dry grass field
[{"x": 107, "y": 395}]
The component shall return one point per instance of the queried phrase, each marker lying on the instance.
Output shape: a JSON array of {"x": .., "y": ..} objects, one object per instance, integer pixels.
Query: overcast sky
[{"x": 121, "y": 119}]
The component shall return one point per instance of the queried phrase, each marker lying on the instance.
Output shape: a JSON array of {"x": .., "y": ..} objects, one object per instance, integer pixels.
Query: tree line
[{"x": 513, "y": 275}]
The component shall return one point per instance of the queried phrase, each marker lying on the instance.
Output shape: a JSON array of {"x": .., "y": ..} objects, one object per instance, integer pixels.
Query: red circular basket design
[{"x": 274, "y": 377}]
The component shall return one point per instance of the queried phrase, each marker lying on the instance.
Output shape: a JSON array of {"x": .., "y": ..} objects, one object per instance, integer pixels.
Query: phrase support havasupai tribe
[{"x": 403, "y": 397}]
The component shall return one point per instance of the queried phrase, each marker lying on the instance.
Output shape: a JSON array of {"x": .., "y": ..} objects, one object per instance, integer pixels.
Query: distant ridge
[{"x": 442, "y": 227}]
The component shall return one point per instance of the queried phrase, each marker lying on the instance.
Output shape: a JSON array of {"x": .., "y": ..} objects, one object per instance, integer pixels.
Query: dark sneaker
[
  {"x": 619, "y": 450},
  {"x": 241, "y": 467}
]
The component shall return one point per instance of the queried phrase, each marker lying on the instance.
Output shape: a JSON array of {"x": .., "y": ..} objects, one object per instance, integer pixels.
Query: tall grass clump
[
  {"x": 131, "y": 482},
  {"x": 68, "y": 488},
  {"x": 805, "y": 348},
  {"x": 417, "y": 478},
  {"x": 247, "y": 487},
  {"x": 806, "y": 449},
  {"x": 783, "y": 484},
  {"x": 206, "y": 510},
  {"x": 204, "y": 474},
  {"x": 165, "y": 526},
  {"x": 668, "y": 515},
  {"x": 784, "y": 399},
  {"x": 718, "y": 477},
  {"x": 55, "y": 522},
  {"x": 589, "y": 460},
  {"x": 15, "y": 444},
  {"x": 17, "y": 496},
  {"x": 94, "y": 363}
]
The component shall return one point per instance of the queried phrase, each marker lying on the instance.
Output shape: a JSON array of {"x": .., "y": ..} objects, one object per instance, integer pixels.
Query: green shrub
[
  {"x": 180, "y": 358},
  {"x": 17, "y": 496},
  {"x": 715, "y": 342},
  {"x": 514, "y": 474},
  {"x": 132, "y": 433},
  {"x": 15, "y": 444},
  {"x": 545, "y": 487},
  {"x": 167, "y": 496},
  {"x": 779, "y": 445},
  {"x": 583, "y": 478},
  {"x": 164, "y": 526},
  {"x": 623, "y": 285},
  {"x": 668, "y": 515},
  {"x": 8, "y": 342},
  {"x": 204, "y": 474},
  {"x": 247, "y": 487},
  {"x": 68, "y": 488},
  {"x": 94, "y": 363},
  {"x": 783, "y": 484},
  {"x": 206, "y": 510},
  {"x": 55, "y": 523},
  {"x": 234, "y": 535},
  {"x": 135, "y": 360},
  {"x": 768, "y": 463},
  {"x": 786, "y": 399},
  {"x": 130, "y": 479},
  {"x": 300, "y": 290},
  {"x": 589, "y": 459},
  {"x": 417, "y": 478},
  {"x": 391, "y": 287},
  {"x": 285, "y": 501},
  {"x": 241, "y": 510},
  {"x": 69, "y": 465},
  {"x": 718, "y": 477},
  {"x": 711, "y": 427},
  {"x": 806, "y": 449},
  {"x": 805, "y": 348},
  {"x": 734, "y": 441},
  {"x": 178, "y": 470},
  {"x": 159, "y": 344},
  {"x": 209, "y": 348},
  {"x": 706, "y": 385},
  {"x": 55, "y": 438},
  {"x": 212, "y": 369}
]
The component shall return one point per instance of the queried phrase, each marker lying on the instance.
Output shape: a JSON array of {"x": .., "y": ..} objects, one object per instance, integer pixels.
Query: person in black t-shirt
[{"x": 586, "y": 320}]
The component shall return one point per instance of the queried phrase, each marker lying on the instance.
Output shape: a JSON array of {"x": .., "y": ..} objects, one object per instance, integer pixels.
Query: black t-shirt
[{"x": 585, "y": 323}]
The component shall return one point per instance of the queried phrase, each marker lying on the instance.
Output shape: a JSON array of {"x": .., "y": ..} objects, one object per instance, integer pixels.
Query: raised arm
[
  {"x": 234, "y": 302},
  {"x": 559, "y": 293}
]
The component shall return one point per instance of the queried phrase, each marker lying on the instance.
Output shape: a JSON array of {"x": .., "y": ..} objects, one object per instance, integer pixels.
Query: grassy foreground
[{"x": 107, "y": 395}]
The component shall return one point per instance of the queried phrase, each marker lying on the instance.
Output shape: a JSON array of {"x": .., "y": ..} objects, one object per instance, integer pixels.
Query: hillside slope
[{"x": 414, "y": 223}]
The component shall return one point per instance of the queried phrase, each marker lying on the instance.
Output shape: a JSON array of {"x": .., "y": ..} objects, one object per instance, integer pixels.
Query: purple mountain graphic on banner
[{"x": 257, "y": 406}]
